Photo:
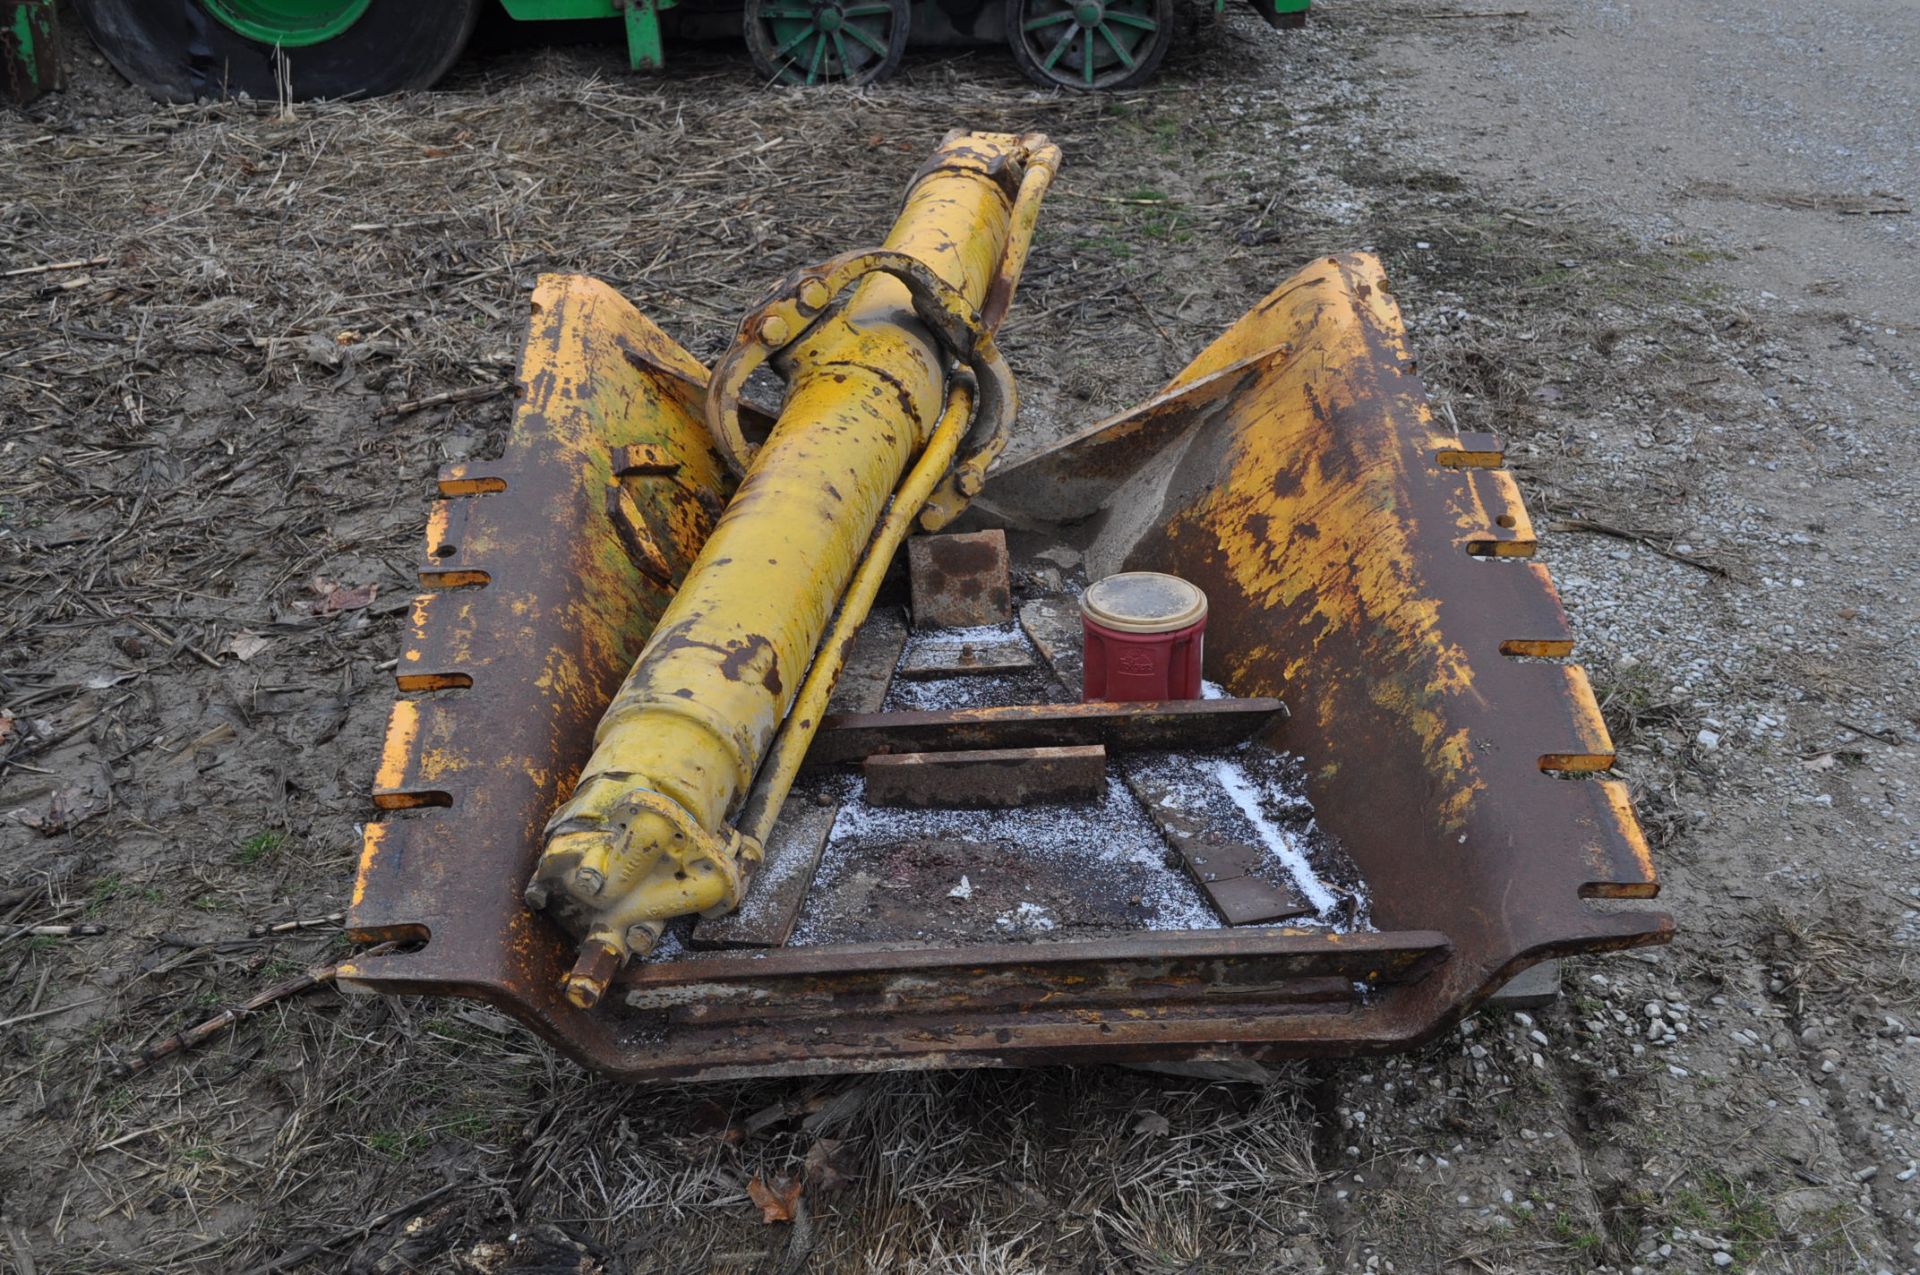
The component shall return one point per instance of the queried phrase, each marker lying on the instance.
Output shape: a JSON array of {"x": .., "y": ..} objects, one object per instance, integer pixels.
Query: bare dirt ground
[{"x": 1654, "y": 246}]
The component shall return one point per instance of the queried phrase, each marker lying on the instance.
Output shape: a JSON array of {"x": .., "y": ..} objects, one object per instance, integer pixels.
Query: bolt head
[{"x": 774, "y": 330}]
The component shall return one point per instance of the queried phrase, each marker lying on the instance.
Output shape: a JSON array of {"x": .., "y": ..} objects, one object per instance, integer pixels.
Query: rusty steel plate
[
  {"x": 971, "y": 779},
  {"x": 959, "y": 580},
  {"x": 1368, "y": 565}
]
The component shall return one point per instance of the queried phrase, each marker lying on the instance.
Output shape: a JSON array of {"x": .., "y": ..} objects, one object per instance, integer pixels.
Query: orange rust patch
[
  {"x": 459, "y": 480},
  {"x": 439, "y": 525},
  {"x": 403, "y": 727},
  {"x": 372, "y": 841}
]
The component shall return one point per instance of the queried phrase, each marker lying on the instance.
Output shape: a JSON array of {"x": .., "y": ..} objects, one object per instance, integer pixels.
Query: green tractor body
[{"x": 181, "y": 50}]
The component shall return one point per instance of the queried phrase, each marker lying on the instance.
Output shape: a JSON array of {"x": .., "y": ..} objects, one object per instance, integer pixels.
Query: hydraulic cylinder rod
[{"x": 646, "y": 835}]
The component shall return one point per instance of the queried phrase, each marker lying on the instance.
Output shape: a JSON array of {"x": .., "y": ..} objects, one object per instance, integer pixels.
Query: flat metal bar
[
  {"x": 767, "y": 915},
  {"x": 863, "y": 683},
  {"x": 966, "y": 660},
  {"x": 1054, "y": 627},
  {"x": 1232, "y": 874},
  {"x": 1288, "y": 953},
  {"x": 1039, "y": 999},
  {"x": 990, "y": 778},
  {"x": 1163, "y": 724}
]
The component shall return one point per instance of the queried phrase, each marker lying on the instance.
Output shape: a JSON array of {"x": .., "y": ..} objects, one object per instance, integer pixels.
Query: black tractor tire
[
  {"x": 1033, "y": 48},
  {"x": 179, "y": 52}
]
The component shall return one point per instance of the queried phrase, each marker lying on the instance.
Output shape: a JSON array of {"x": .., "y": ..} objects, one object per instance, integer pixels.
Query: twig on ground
[
  {"x": 51, "y": 266},
  {"x": 262, "y": 928},
  {"x": 58, "y": 931},
  {"x": 1166, "y": 341},
  {"x": 50, "y": 1011},
  {"x": 317, "y": 977},
  {"x": 1651, "y": 539},
  {"x": 1884, "y": 736},
  {"x": 472, "y": 394},
  {"x": 372, "y": 1224}
]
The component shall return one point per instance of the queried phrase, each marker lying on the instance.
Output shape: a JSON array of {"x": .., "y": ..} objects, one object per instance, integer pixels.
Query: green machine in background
[
  {"x": 29, "y": 47},
  {"x": 180, "y": 50}
]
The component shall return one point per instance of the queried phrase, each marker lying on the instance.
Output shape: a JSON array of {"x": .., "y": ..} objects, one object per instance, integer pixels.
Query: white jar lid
[{"x": 1144, "y": 602}]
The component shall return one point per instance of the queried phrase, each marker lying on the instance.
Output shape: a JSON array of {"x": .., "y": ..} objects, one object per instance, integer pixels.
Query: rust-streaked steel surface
[
  {"x": 1138, "y": 725},
  {"x": 543, "y": 576},
  {"x": 1360, "y": 561},
  {"x": 987, "y": 778},
  {"x": 1369, "y": 566},
  {"x": 959, "y": 580}
]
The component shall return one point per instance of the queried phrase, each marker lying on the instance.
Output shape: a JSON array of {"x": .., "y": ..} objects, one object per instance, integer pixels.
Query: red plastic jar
[{"x": 1145, "y": 635}]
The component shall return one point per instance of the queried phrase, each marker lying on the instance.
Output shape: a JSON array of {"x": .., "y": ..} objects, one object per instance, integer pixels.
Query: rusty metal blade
[
  {"x": 536, "y": 611},
  {"x": 1359, "y": 561}
]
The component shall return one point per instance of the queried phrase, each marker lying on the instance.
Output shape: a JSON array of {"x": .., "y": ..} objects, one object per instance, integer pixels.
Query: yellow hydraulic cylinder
[{"x": 645, "y": 836}]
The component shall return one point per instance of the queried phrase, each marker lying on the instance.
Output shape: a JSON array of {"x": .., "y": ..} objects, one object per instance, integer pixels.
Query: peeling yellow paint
[
  {"x": 1644, "y": 881},
  {"x": 372, "y": 841},
  {"x": 403, "y": 727}
]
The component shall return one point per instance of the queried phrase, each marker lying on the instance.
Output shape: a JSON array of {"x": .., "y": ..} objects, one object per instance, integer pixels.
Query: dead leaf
[
  {"x": 67, "y": 806},
  {"x": 714, "y": 1120},
  {"x": 6, "y": 725},
  {"x": 825, "y": 1171},
  {"x": 246, "y": 644},
  {"x": 351, "y": 599},
  {"x": 334, "y": 597},
  {"x": 1152, "y": 1125},
  {"x": 777, "y": 1204}
]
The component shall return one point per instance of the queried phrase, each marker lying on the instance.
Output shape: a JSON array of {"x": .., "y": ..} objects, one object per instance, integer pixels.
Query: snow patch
[{"x": 1246, "y": 795}]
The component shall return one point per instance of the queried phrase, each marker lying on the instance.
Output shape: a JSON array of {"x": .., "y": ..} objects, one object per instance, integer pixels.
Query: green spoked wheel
[
  {"x": 291, "y": 24},
  {"x": 826, "y": 41},
  {"x": 180, "y": 50},
  {"x": 1089, "y": 44}
]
